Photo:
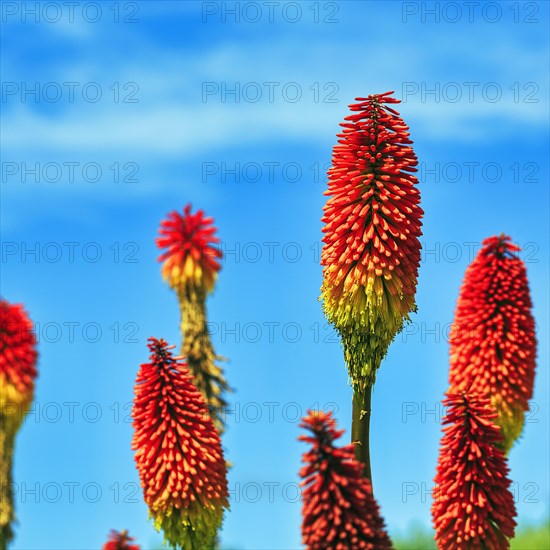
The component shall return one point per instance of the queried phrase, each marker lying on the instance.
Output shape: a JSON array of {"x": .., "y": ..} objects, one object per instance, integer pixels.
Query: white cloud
[{"x": 171, "y": 119}]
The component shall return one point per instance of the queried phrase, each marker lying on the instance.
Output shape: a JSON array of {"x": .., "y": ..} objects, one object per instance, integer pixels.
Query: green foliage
[
  {"x": 527, "y": 538},
  {"x": 532, "y": 538},
  {"x": 418, "y": 538}
]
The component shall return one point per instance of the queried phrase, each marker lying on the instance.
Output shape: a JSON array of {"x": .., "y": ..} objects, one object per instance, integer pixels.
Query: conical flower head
[
  {"x": 17, "y": 359},
  {"x": 17, "y": 374},
  {"x": 120, "y": 541},
  {"x": 178, "y": 452},
  {"x": 492, "y": 340},
  {"x": 338, "y": 509},
  {"x": 371, "y": 251},
  {"x": 473, "y": 507},
  {"x": 190, "y": 258}
]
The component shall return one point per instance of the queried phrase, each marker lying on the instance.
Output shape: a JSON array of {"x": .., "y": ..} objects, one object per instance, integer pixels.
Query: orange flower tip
[{"x": 190, "y": 257}]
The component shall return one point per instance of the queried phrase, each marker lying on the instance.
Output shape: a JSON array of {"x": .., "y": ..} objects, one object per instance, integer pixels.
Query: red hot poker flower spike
[
  {"x": 190, "y": 267},
  {"x": 17, "y": 374},
  {"x": 120, "y": 541},
  {"x": 191, "y": 258},
  {"x": 371, "y": 251},
  {"x": 492, "y": 343},
  {"x": 339, "y": 511},
  {"x": 473, "y": 507},
  {"x": 178, "y": 452},
  {"x": 17, "y": 356}
]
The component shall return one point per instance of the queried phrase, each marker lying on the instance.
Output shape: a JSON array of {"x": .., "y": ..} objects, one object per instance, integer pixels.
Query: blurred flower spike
[
  {"x": 120, "y": 541},
  {"x": 191, "y": 259},
  {"x": 473, "y": 506},
  {"x": 18, "y": 372},
  {"x": 190, "y": 267},
  {"x": 492, "y": 341},
  {"x": 338, "y": 509}
]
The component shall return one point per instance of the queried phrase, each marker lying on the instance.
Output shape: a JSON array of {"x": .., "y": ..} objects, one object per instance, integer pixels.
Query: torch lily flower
[
  {"x": 338, "y": 509},
  {"x": 120, "y": 541},
  {"x": 191, "y": 259},
  {"x": 492, "y": 341},
  {"x": 17, "y": 357},
  {"x": 473, "y": 506},
  {"x": 17, "y": 374},
  {"x": 190, "y": 266},
  {"x": 371, "y": 251},
  {"x": 178, "y": 452}
]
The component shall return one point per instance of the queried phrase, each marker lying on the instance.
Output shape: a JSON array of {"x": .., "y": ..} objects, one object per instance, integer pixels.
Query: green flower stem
[
  {"x": 360, "y": 426},
  {"x": 7, "y": 437}
]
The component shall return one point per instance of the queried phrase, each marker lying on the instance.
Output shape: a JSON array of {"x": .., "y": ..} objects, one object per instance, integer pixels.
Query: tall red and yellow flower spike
[
  {"x": 190, "y": 267},
  {"x": 178, "y": 452},
  {"x": 338, "y": 509},
  {"x": 120, "y": 541},
  {"x": 191, "y": 258},
  {"x": 492, "y": 342},
  {"x": 473, "y": 506},
  {"x": 371, "y": 251},
  {"x": 18, "y": 357}
]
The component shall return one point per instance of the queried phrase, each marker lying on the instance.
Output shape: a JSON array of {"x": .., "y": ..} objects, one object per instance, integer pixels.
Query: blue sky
[{"x": 163, "y": 133}]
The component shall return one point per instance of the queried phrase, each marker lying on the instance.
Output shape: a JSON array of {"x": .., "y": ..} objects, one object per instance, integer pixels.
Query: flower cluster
[
  {"x": 492, "y": 340},
  {"x": 371, "y": 251},
  {"x": 190, "y": 258},
  {"x": 178, "y": 452},
  {"x": 473, "y": 507},
  {"x": 339, "y": 511},
  {"x": 18, "y": 357}
]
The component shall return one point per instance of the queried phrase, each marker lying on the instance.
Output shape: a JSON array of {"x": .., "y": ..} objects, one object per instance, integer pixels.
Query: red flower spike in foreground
[
  {"x": 339, "y": 511},
  {"x": 178, "y": 452},
  {"x": 120, "y": 541},
  {"x": 473, "y": 507},
  {"x": 17, "y": 374},
  {"x": 191, "y": 258},
  {"x": 371, "y": 251},
  {"x": 492, "y": 342}
]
